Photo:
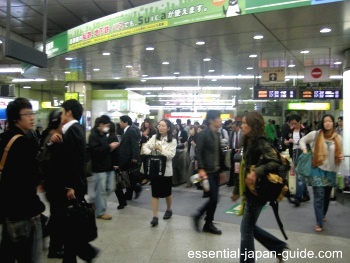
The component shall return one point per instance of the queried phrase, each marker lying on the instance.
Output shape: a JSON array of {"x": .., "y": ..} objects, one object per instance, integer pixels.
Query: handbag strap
[{"x": 7, "y": 148}]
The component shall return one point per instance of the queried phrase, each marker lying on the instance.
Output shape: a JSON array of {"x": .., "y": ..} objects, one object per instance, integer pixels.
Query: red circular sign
[{"x": 316, "y": 73}]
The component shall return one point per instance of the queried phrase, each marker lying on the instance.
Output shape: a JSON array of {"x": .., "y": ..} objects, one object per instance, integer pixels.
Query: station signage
[
  {"x": 273, "y": 93},
  {"x": 276, "y": 93}
]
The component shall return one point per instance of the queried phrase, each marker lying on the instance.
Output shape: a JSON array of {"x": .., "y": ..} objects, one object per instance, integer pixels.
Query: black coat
[
  {"x": 129, "y": 148},
  {"x": 20, "y": 178},
  {"x": 101, "y": 160},
  {"x": 205, "y": 151},
  {"x": 73, "y": 151}
]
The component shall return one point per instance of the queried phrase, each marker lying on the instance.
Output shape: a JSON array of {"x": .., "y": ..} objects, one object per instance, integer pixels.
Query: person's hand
[
  {"x": 145, "y": 133},
  {"x": 290, "y": 140},
  {"x": 56, "y": 138},
  {"x": 158, "y": 148},
  {"x": 70, "y": 194},
  {"x": 250, "y": 180},
  {"x": 341, "y": 156},
  {"x": 133, "y": 161},
  {"x": 113, "y": 145},
  {"x": 202, "y": 174}
]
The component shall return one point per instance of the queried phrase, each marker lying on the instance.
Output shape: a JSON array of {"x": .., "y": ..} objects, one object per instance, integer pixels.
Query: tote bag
[
  {"x": 154, "y": 166},
  {"x": 304, "y": 164}
]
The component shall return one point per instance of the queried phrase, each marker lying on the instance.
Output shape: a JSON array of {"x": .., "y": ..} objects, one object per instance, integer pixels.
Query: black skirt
[{"x": 161, "y": 187}]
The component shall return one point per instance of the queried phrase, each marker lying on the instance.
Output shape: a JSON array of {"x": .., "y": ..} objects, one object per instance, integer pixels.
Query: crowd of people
[{"x": 56, "y": 159}]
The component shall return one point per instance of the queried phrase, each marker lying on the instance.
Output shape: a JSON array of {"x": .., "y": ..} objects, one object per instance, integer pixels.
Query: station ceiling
[{"x": 228, "y": 43}]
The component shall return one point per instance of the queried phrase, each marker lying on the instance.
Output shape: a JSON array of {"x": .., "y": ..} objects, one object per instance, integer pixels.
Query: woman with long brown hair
[{"x": 255, "y": 148}]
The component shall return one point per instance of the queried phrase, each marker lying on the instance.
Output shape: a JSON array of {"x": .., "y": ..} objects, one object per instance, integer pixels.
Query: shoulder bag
[
  {"x": 155, "y": 165},
  {"x": 6, "y": 151},
  {"x": 304, "y": 162}
]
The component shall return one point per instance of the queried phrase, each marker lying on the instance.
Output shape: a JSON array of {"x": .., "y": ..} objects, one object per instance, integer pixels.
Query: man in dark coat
[
  {"x": 129, "y": 160},
  {"x": 73, "y": 150}
]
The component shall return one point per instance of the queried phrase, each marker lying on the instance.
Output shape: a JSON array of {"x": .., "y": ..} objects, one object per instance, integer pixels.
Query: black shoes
[
  {"x": 168, "y": 214},
  {"x": 138, "y": 192},
  {"x": 56, "y": 254},
  {"x": 154, "y": 221},
  {"x": 295, "y": 201},
  {"x": 121, "y": 206},
  {"x": 305, "y": 199},
  {"x": 210, "y": 228}
]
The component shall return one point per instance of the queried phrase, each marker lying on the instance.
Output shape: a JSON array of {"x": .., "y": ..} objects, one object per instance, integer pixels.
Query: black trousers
[{"x": 210, "y": 206}]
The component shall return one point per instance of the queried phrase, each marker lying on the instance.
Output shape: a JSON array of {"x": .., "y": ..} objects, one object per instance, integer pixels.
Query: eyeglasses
[{"x": 28, "y": 114}]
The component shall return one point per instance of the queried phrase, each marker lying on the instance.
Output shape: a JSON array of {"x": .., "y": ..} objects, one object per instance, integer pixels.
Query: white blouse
[{"x": 168, "y": 150}]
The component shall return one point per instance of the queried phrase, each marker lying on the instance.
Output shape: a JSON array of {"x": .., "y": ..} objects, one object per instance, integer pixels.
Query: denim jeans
[
  {"x": 322, "y": 195},
  {"x": 249, "y": 231},
  {"x": 25, "y": 249},
  {"x": 104, "y": 186},
  {"x": 210, "y": 206},
  {"x": 301, "y": 188}
]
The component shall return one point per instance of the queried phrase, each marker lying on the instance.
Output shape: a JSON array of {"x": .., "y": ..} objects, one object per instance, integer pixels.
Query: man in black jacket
[
  {"x": 102, "y": 167},
  {"x": 73, "y": 150},
  {"x": 20, "y": 205},
  {"x": 129, "y": 160},
  {"x": 210, "y": 164}
]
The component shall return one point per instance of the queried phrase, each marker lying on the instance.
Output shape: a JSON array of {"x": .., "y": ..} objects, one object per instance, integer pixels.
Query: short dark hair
[
  {"x": 103, "y": 119},
  {"x": 212, "y": 115},
  {"x": 340, "y": 118},
  {"x": 14, "y": 108},
  {"x": 75, "y": 107},
  {"x": 188, "y": 121},
  {"x": 126, "y": 118},
  {"x": 54, "y": 119},
  {"x": 295, "y": 117}
]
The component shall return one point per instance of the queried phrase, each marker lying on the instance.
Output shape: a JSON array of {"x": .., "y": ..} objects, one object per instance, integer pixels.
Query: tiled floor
[{"x": 128, "y": 237}]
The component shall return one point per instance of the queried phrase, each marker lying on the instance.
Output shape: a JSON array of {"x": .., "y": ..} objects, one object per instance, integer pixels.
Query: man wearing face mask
[{"x": 102, "y": 165}]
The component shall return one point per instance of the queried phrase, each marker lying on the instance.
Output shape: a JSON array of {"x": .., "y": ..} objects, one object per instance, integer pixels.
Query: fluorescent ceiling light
[
  {"x": 336, "y": 77},
  {"x": 128, "y": 66},
  {"x": 206, "y": 59},
  {"x": 190, "y": 77},
  {"x": 67, "y": 72},
  {"x": 0, "y": 42},
  {"x": 68, "y": 58},
  {"x": 145, "y": 88},
  {"x": 165, "y": 63},
  {"x": 149, "y": 48},
  {"x": 176, "y": 73},
  {"x": 337, "y": 63},
  {"x": 258, "y": 37},
  {"x": 96, "y": 69},
  {"x": 214, "y": 80},
  {"x": 181, "y": 88},
  {"x": 199, "y": 43},
  {"x": 161, "y": 78},
  {"x": 211, "y": 70},
  {"x": 221, "y": 88},
  {"x": 26, "y": 87},
  {"x": 144, "y": 75},
  {"x": 150, "y": 96},
  {"x": 325, "y": 30},
  {"x": 27, "y": 80},
  {"x": 304, "y": 51},
  {"x": 106, "y": 53},
  {"x": 294, "y": 77},
  {"x": 253, "y": 55},
  {"x": 250, "y": 68},
  {"x": 143, "y": 80},
  {"x": 117, "y": 78},
  {"x": 291, "y": 66},
  {"x": 10, "y": 70}
]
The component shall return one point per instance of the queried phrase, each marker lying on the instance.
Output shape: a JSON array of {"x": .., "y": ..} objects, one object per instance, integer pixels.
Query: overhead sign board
[
  {"x": 321, "y": 94},
  {"x": 316, "y": 74},
  {"x": 273, "y": 75},
  {"x": 272, "y": 93}
]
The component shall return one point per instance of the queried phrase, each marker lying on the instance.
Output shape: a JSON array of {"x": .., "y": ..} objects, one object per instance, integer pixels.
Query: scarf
[
  {"x": 242, "y": 186},
  {"x": 320, "y": 150}
]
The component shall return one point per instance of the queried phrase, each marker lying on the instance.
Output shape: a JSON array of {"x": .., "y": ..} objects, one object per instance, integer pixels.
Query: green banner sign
[
  {"x": 109, "y": 95},
  {"x": 150, "y": 17},
  {"x": 159, "y": 15}
]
